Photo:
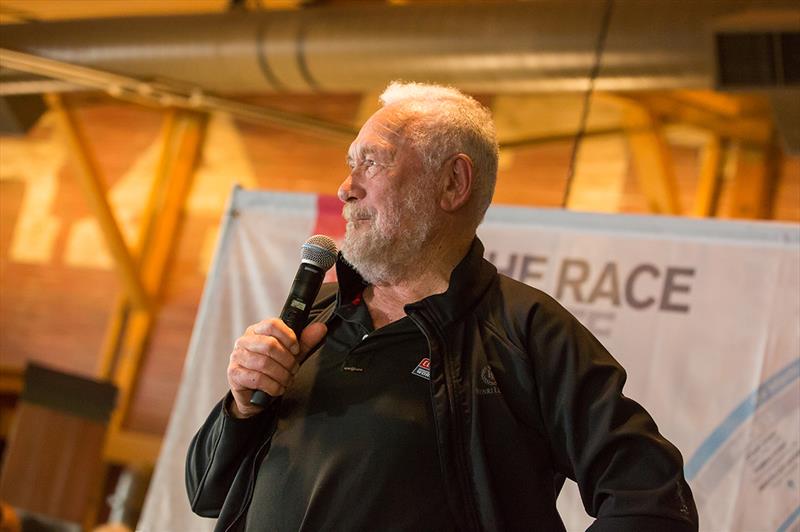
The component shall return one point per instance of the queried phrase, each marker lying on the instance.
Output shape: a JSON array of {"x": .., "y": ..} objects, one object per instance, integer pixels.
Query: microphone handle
[{"x": 305, "y": 289}]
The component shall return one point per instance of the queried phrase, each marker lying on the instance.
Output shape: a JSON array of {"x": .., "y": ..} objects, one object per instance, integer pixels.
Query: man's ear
[{"x": 458, "y": 180}]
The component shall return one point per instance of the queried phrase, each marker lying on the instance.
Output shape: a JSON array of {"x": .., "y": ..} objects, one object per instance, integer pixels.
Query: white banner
[{"x": 704, "y": 315}]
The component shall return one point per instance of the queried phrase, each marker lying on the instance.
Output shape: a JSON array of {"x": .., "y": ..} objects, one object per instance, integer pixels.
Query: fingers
[
  {"x": 270, "y": 377},
  {"x": 243, "y": 381},
  {"x": 261, "y": 352},
  {"x": 279, "y": 330},
  {"x": 264, "y": 358},
  {"x": 255, "y": 356}
]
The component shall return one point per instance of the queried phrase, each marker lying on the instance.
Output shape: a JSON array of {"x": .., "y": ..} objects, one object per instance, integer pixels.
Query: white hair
[{"x": 442, "y": 121}]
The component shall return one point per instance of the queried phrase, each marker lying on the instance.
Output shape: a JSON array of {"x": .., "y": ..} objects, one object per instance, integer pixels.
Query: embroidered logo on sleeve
[
  {"x": 489, "y": 382},
  {"x": 423, "y": 369}
]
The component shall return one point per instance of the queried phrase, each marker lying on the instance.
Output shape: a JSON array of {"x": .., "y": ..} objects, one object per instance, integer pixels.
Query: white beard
[{"x": 389, "y": 245}]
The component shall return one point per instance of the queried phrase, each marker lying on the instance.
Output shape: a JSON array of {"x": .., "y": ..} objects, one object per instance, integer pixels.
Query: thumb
[{"x": 311, "y": 336}]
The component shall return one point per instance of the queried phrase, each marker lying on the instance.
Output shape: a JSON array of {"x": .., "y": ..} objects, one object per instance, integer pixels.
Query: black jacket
[{"x": 523, "y": 396}]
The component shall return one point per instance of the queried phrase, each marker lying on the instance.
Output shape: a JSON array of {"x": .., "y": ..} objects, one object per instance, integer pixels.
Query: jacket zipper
[
  {"x": 436, "y": 426},
  {"x": 457, "y": 429}
]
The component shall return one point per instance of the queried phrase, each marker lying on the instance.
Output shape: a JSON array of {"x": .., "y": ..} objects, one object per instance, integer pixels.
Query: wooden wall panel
[{"x": 61, "y": 481}]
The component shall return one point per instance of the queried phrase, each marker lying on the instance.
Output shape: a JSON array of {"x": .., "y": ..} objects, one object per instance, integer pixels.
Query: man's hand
[{"x": 266, "y": 358}]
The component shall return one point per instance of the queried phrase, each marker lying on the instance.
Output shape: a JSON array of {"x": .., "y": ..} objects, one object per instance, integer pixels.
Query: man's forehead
[{"x": 382, "y": 132}]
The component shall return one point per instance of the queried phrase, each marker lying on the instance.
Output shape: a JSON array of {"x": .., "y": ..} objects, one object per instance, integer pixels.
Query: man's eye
[{"x": 369, "y": 166}]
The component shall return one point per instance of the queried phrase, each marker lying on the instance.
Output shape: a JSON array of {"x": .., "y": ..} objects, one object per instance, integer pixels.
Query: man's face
[{"x": 390, "y": 205}]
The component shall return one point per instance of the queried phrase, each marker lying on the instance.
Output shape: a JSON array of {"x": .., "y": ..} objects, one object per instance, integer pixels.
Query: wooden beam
[
  {"x": 94, "y": 189},
  {"x": 183, "y": 142},
  {"x": 126, "y": 373},
  {"x": 189, "y": 135},
  {"x": 538, "y": 141},
  {"x": 525, "y": 120},
  {"x": 112, "y": 341},
  {"x": 131, "y": 447},
  {"x": 722, "y": 104},
  {"x": 161, "y": 94},
  {"x": 754, "y": 182},
  {"x": 710, "y": 179},
  {"x": 160, "y": 182},
  {"x": 652, "y": 160},
  {"x": 115, "y": 332},
  {"x": 755, "y": 129},
  {"x": 60, "y": 10}
]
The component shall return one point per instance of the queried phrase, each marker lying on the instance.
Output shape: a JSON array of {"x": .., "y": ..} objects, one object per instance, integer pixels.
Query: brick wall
[{"x": 57, "y": 285}]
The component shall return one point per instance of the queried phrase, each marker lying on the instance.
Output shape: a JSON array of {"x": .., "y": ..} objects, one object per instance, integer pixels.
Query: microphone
[{"x": 317, "y": 256}]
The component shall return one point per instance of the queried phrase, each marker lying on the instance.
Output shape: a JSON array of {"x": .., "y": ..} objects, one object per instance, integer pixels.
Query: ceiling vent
[
  {"x": 760, "y": 51},
  {"x": 758, "y": 60}
]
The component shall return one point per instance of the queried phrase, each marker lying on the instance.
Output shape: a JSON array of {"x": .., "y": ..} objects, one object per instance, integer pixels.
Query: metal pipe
[{"x": 543, "y": 45}]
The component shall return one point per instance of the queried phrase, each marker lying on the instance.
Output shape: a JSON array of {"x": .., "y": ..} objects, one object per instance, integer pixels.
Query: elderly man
[{"x": 434, "y": 394}]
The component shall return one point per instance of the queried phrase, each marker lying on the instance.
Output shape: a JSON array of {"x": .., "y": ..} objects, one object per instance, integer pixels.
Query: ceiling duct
[
  {"x": 760, "y": 51},
  {"x": 541, "y": 45},
  {"x": 758, "y": 60}
]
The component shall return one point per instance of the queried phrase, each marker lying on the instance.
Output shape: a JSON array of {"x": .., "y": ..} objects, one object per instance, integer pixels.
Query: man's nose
[{"x": 349, "y": 190}]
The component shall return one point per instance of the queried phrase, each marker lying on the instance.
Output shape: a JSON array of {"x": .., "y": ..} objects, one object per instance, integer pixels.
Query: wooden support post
[
  {"x": 708, "y": 186},
  {"x": 652, "y": 160},
  {"x": 183, "y": 141},
  {"x": 189, "y": 134},
  {"x": 112, "y": 342},
  {"x": 115, "y": 331},
  {"x": 95, "y": 191},
  {"x": 754, "y": 181}
]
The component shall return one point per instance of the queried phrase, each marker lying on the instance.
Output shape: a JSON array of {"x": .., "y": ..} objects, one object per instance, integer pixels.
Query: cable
[{"x": 587, "y": 98}]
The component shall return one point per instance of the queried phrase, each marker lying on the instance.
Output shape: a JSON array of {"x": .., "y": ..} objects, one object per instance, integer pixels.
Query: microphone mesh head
[{"x": 319, "y": 250}]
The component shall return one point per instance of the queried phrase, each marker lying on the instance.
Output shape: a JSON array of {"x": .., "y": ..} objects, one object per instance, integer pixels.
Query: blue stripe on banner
[
  {"x": 789, "y": 520},
  {"x": 740, "y": 414}
]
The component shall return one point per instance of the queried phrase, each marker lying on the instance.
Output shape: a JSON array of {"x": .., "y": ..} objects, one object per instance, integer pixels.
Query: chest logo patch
[{"x": 423, "y": 369}]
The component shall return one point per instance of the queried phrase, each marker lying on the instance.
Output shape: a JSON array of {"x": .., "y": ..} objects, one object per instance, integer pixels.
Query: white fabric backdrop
[{"x": 704, "y": 315}]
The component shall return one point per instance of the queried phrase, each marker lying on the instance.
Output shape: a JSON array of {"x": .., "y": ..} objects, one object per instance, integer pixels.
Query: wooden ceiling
[
  {"x": 693, "y": 118},
  {"x": 15, "y": 11}
]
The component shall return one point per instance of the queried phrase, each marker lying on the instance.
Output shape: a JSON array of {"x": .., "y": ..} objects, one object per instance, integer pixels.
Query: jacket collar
[
  {"x": 470, "y": 279},
  {"x": 351, "y": 284}
]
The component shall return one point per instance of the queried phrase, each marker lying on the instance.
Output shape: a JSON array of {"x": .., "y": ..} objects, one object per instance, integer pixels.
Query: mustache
[{"x": 352, "y": 212}]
